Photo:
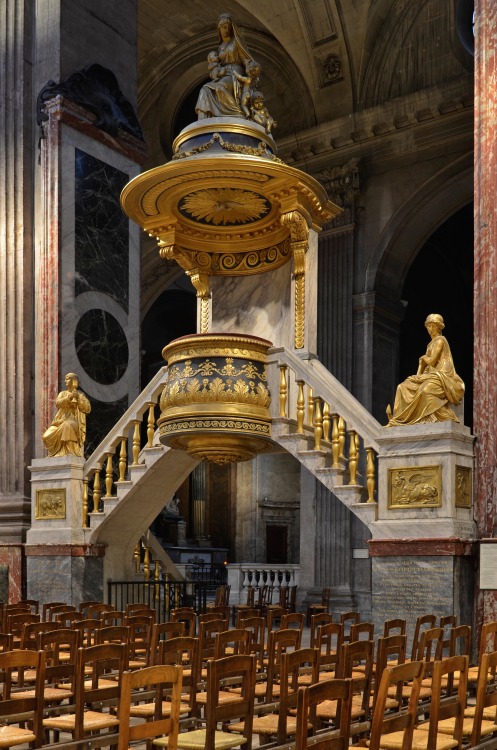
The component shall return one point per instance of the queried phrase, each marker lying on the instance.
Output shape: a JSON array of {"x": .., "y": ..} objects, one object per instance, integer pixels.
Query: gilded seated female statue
[{"x": 426, "y": 396}]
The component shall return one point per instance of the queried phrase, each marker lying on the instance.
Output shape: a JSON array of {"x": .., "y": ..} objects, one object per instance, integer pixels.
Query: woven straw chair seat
[
  {"x": 196, "y": 740},
  {"x": 12, "y": 735},
  {"x": 489, "y": 713},
  {"x": 446, "y": 726},
  {"x": 49, "y": 694},
  {"x": 393, "y": 741},
  {"x": 144, "y": 710},
  {"x": 224, "y": 697},
  {"x": 92, "y": 720}
]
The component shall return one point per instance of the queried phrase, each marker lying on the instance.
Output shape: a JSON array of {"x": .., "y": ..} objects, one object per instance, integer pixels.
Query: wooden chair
[
  {"x": 164, "y": 719},
  {"x": 184, "y": 652},
  {"x": 391, "y": 650},
  {"x": 67, "y": 618},
  {"x": 274, "y": 616},
  {"x": 322, "y": 608},
  {"x": 329, "y": 643},
  {"x": 16, "y": 623},
  {"x": 362, "y": 631},
  {"x": 26, "y": 706},
  {"x": 316, "y": 621},
  {"x": 423, "y": 622},
  {"x": 217, "y": 712},
  {"x": 256, "y": 626},
  {"x": 484, "y": 713},
  {"x": 291, "y": 603},
  {"x": 293, "y": 620},
  {"x": 95, "y": 611},
  {"x": 245, "y": 614},
  {"x": 87, "y": 629},
  {"x": 112, "y": 618},
  {"x": 31, "y": 630},
  {"x": 238, "y": 609},
  {"x": 113, "y": 634},
  {"x": 235, "y": 641},
  {"x": 280, "y": 642},
  {"x": 207, "y": 639},
  {"x": 222, "y": 611},
  {"x": 398, "y": 726},
  {"x": 91, "y": 690},
  {"x": 161, "y": 631},
  {"x": 488, "y": 644},
  {"x": 60, "y": 647},
  {"x": 280, "y": 724},
  {"x": 356, "y": 661},
  {"x": 336, "y": 691},
  {"x": 85, "y": 606},
  {"x": 188, "y": 616},
  {"x": 33, "y": 604},
  {"x": 52, "y": 612}
]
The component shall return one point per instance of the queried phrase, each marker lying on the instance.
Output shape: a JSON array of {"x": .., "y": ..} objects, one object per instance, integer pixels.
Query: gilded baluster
[
  {"x": 176, "y": 597},
  {"x": 109, "y": 478},
  {"x": 370, "y": 477},
  {"x": 341, "y": 436},
  {"x": 157, "y": 580},
  {"x": 326, "y": 422},
  {"x": 85, "y": 503},
  {"x": 136, "y": 557},
  {"x": 335, "y": 441},
  {"x": 310, "y": 407},
  {"x": 136, "y": 442},
  {"x": 167, "y": 603},
  {"x": 353, "y": 457},
  {"x": 283, "y": 390},
  {"x": 96, "y": 491},
  {"x": 300, "y": 407},
  {"x": 146, "y": 564},
  {"x": 318, "y": 424},
  {"x": 122, "y": 460},
  {"x": 151, "y": 425}
]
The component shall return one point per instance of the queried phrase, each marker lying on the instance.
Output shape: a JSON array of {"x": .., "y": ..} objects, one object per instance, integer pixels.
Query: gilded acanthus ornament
[
  {"x": 233, "y": 90},
  {"x": 426, "y": 396},
  {"x": 66, "y": 435}
]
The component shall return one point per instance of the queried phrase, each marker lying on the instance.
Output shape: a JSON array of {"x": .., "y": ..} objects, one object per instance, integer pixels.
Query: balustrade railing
[
  {"x": 162, "y": 596},
  {"x": 110, "y": 461},
  {"x": 306, "y": 395},
  {"x": 243, "y": 575}
]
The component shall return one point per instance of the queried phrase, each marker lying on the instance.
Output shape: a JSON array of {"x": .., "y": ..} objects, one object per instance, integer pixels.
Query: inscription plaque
[
  {"x": 407, "y": 587},
  {"x": 488, "y": 565}
]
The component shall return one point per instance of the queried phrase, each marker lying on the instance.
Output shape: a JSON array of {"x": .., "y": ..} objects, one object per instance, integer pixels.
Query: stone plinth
[
  {"x": 425, "y": 475},
  {"x": 59, "y": 565},
  {"x": 56, "y": 501}
]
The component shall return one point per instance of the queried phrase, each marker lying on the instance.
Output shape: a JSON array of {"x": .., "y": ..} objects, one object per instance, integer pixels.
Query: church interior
[{"x": 381, "y": 114}]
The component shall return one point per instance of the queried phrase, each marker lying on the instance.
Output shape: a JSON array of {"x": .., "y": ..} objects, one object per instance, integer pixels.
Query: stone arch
[
  {"x": 413, "y": 223},
  {"x": 409, "y": 47}
]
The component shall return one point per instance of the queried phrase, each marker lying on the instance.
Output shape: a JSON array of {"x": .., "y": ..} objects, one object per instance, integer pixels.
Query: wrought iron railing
[{"x": 162, "y": 596}]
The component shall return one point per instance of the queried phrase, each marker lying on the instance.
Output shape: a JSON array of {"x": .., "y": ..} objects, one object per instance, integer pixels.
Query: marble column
[
  {"x": 16, "y": 333},
  {"x": 485, "y": 291}
]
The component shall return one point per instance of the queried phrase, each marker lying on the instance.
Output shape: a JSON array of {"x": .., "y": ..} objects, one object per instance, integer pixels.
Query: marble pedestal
[
  {"x": 59, "y": 565},
  {"x": 422, "y": 548}
]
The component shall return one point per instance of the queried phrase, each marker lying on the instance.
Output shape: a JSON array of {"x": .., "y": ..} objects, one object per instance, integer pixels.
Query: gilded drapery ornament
[
  {"x": 67, "y": 433},
  {"x": 299, "y": 243}
]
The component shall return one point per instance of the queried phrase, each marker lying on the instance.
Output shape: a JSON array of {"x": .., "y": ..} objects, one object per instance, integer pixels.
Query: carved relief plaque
[
  {"x": 50, "y": 504},
  {"x": 464, "y": 487},
  {"x": 415, "y": 487}
]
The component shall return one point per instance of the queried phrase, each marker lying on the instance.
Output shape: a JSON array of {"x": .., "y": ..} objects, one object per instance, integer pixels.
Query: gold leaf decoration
[{"x": 224, "y": 206}]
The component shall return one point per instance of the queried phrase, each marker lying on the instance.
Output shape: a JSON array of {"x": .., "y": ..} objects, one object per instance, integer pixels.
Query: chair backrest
[
  {"x": 244, "y": 614},
  {"x": 394, "y": 648},
  {"x": 207, "y": 637},
  {"x": 163, "y": 680},
  {"x": 257, "y": 629},
  {"x": 348, "y": 619},
  {"x": 460, "y": 640},
  {"x": 430, "y": 645},
  {"x": 403, "y": 720},
  {"x": 58, "y": 609},
  {"x": 219, "y": 596},
  {"x": 66, "y": 619},
  {"x": 95, "y": 611},
  {"x": 61, "y": 648},
  {"x": 33, "y": 604},
  {"x": 112, "y": 618},
  {"x": 188, "y": 616},
  {"x": 447, "y": 622},
  {"x": 45, "y": 611},
  {"x": 161, "y": 631},
  {"x": 222, "y": 611},
  {"x": 293, "y": 620},
  {"x": 84, "y": 607},
  {"x": 30, "y": 705},
  {"x": 280, "y": 642},
  {"x": 423, "y": 622},
  {"x": 87, "y": 629},
  {"x": 308, "y": 699},
  {"x": 235, "y": 641},
  {"x": 274, "y": 618},
  {"x": 321, "y": 618},
  {"x": 250, "y": 600},
  {"x": 31, "y": 630},
  {"x": 397, "y": 626},
  {"x": 16, "y": 622},
  {"x": 241, "y": 667},
  {"x": 353, "y": 655},
  {"x": 362, "y": 631},
  {"x": 113, "y": 634},
  {"x": 293, "y": 664},
  {"x": 488, "y": 638},
  {"x": 329, "y": 643},
  {"x": 486, "y": 692}
]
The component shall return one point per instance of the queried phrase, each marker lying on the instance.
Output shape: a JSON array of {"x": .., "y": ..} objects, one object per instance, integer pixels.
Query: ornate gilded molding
[
  {"x": 343, "y": 184},
  {"x": 464, "y": 487},
  {"x": 260, "y": 150},
  {"x": 299, "y": 242},
  {"x": 415, "y": 487},
  {"x": 50, "y": 504}
]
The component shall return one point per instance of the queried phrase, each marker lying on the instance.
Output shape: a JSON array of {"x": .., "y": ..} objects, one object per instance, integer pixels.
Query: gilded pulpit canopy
[
  {"x": 66, "y": 435},
  {"x": 426, "y": 396}
]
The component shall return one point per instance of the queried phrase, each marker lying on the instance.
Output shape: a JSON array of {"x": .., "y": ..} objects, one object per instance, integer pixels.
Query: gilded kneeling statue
[
  {"x": 66, "y": 435},
  {"x": 426, "y": 396}
]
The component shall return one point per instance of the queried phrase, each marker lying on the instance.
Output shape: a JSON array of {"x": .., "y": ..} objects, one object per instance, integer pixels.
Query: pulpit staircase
[{"x": 313, "y": 416}]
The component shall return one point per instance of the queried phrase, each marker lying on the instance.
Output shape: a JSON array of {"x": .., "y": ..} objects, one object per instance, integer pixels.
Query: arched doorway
[{"x": 441, "y": 280}]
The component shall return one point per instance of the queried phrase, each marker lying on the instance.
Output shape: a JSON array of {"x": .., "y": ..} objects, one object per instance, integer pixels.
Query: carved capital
[{"x": 297, "y": 223}]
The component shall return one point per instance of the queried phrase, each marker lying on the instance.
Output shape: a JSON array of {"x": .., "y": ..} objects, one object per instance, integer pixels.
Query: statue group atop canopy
[{"x": 233, "y": 88}]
